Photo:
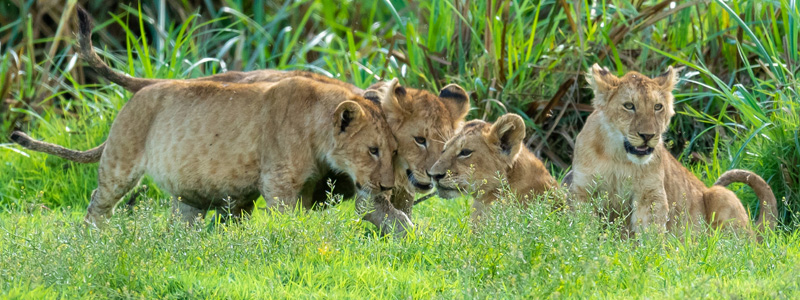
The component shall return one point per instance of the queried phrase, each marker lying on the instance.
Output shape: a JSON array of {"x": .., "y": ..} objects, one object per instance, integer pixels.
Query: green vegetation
[
  {"x": 738, "y": 108},
  {"x": 526, "y": 253}
]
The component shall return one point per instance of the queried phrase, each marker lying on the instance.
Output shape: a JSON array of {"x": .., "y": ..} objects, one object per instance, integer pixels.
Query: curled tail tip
[
  {"x": 733, "y": 175},
  {"x": 84, "y": 21},
  {"x": 19, "y": 137},
  {"x": 768, "y": 210}
]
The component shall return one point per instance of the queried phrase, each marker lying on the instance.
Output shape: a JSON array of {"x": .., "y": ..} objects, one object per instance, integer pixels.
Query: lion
[
  {"x": 221, "y": 145},
  {"x": 620, "y": 152},
  {"x": 420, "y": 121},
  {"x": 482, "y": 153}
]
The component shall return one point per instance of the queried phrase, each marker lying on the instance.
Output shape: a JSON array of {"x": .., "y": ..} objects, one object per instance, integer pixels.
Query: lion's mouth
[
  {"x": 639, "y": 150},
  {"x": 420, "y": 186}
]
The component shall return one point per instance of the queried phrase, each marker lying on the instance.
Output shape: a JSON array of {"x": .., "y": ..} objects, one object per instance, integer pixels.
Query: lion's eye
[
  {"x": 465, "y": 153},
  {"x": 374, "y": 151},
  {"x": 659, "y": 106},
  {"x": 420, "y": 140},
  {"x": 394, "y": 153},
  {"x": 629, "y": 106}
]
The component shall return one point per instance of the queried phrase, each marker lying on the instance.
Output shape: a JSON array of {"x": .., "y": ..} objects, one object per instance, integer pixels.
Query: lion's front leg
[
  {"x": 650, "y": 208},
  {"x": 582, "y": 194},
  {"x": 383, "y": 214},
  {"x": 578, "y": 195},
  {"x": 580, "y": 189},
  {"x": 281, "y": 185}
]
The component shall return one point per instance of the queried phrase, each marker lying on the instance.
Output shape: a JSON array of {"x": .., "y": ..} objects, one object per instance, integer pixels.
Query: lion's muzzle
[
  {"x": 422, "y": 187},
  {"x": 444, "y": 191}
]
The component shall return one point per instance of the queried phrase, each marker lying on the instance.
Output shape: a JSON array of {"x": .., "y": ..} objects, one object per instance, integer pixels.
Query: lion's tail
[
  {"x": 88, "y": 156},
  {"x": 87, "y": 53},
  {"x": 768, "y": 211}
]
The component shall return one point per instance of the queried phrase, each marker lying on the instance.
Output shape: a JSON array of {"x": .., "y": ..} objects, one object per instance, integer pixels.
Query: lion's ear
[
  {"x": 507, "y": 133},
  {"x": 373, "y": 95},
  {"x": 667, "y": 80},
  {"x": 393, "y": 98},
  {"x": 347, "y": 113},
  {"x": 602, "y": 82},
  {"x": 456, "y": 101}
]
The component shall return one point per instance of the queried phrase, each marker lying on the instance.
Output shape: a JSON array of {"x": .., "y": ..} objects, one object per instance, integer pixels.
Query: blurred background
[{"x": 738, "y": 104}]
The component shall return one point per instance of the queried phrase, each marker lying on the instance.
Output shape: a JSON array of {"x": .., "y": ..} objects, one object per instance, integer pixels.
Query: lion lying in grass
[
  {"x": 621, "y": 145},
  {"x": 479, "y": 153}
]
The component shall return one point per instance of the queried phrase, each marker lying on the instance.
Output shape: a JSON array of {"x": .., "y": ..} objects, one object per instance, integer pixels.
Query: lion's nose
[
  {"x": 436, "y": 177},
  {"x": 646, "y": 137},
  {"x": 385, "y": 188}
]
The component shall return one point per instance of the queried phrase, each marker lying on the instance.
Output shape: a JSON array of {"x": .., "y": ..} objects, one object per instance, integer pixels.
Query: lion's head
[
  {"x": 421, "y": 122},
  {"x": 363, "y": 144},
  {"x": 635, "y": 109},
  {"x": 477, "y": 154}
]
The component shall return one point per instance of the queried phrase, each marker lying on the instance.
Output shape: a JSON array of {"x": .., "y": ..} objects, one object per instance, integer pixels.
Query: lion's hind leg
[
  {"x": 724, "y": 210},
  {"x": 120, "y": 169},
  {"x": 114, "y": 180}
]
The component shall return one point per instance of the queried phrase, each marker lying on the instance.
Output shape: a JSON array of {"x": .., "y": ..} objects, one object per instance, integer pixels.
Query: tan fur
[
  {"x": 496, "y": 150},
  {"x": 652, "y": 189},
  {"x": 134, "y": 84},
  {"x": 411, "y": 113},
  {"x": 419, "y": 116},
  {"x": 252, "y": 145}
]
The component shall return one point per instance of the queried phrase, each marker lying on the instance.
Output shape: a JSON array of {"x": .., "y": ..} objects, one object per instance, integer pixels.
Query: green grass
[
  {"x": 526, "y": 253},
  {"x": 738, "y": 107}
]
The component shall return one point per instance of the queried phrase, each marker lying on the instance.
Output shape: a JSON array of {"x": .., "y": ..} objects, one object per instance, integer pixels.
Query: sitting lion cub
[
  {"x": 220, "y": 145},
  {"x": 479, "y": 153},
  {"x": 620, "y": 151}
]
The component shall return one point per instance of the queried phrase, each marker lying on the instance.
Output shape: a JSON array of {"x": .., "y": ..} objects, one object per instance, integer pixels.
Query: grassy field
[
  {"x": 530, "y": 253},
  {"x": 738, "y": 107}
]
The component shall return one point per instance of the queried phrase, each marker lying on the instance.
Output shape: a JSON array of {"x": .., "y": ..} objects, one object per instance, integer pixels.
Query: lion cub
[
  {"x": 621, "y": 146},
  {"x": 479, "y": 153},
  {"x": 221, "y": 145}
]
